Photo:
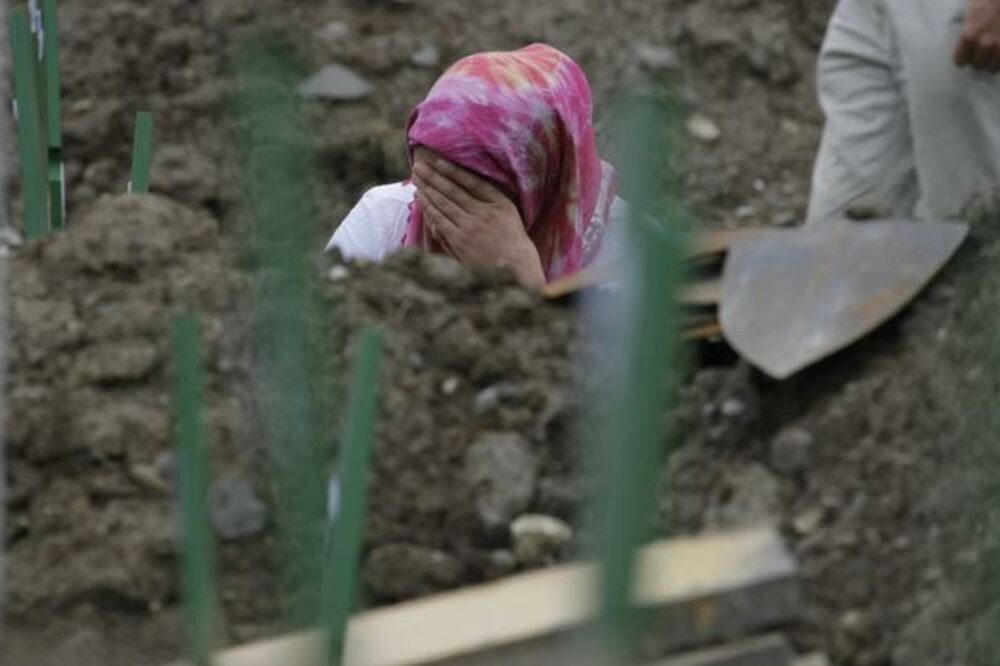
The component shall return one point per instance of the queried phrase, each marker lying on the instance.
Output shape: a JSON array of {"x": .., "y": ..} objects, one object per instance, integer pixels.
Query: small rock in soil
[
  {"x": 117, "y": 362},
  {"x": 487, "y": 400},
  {"x": 148, "y": 477},
  {"x": 791, "y": 450},
  {"x": 733, "y": 408},
  {"x": 166, "y": 467},
  {"x": 338, "y": 273},
  {"x": 403, "y": 571},
  {"x": 785, "y": 219},
  {"x": 450, "y": 385},
  {"x": 501, "y": 468},
  {"x": 657, "y": 58},
  {"x": 703, "y": 128},
  {"x": 334, "y": 31},
  {"x": 445, "y": 273},
  {"x": 428, "y": 57},
  {"x": 752, "y": 496},
  {"x": 806, "y": 522},
  {"x": 337, "y": 83},
  {"x": 236, "y": 511},
  {"x": 503, "y": 562},
  {"x": 539, "y": 539}
]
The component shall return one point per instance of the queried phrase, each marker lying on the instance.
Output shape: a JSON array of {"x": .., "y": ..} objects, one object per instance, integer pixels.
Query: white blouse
[{"x": 377, "y": 225}]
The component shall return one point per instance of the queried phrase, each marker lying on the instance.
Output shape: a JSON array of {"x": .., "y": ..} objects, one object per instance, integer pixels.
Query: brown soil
[{"x": 856, "y": 459}]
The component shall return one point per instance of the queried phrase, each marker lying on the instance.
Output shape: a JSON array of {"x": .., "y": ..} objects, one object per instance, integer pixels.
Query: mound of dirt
[
  {"x": 93, "y": 530},
  {"x": 858, "y": 459}
]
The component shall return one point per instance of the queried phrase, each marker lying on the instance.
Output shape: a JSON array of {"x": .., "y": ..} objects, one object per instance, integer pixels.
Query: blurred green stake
[
  {"x": 349, "y": 493},
  {"x": 142, "y": 153},
  {"x": 30, "y": 142},
  {"x": 632, "y": 450},
  {"x": 197, "y": 556}
]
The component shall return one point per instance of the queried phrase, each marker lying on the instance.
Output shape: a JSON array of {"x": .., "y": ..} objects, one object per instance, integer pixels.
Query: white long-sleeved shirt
[{"x": 376, "y": 226}]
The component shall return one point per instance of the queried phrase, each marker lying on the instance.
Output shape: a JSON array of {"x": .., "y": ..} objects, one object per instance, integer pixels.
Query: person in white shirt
[
  {"x": 505, "y": 171},
  {"x": 911, "y": 95}
]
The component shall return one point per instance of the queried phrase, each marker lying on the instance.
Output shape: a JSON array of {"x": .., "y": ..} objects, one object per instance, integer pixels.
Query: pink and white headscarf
[{"x": 524, "y": 119}]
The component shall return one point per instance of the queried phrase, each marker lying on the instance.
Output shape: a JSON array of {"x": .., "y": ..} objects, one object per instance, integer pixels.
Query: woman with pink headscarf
[{"x": 505, "y": 171}]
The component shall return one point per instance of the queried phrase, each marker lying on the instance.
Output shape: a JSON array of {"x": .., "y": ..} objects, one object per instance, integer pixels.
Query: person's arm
[
  {"x": 477, "y": 222},
  {"x": 979, "y": 44}
]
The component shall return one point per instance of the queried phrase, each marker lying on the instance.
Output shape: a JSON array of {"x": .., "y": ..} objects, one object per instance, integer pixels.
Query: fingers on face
[
  {"x": 438, "y": 223},
  {"x": 473, "y": 185},
  {"x": 442, "y": 185},
  {"x": 442, "y": 201}
]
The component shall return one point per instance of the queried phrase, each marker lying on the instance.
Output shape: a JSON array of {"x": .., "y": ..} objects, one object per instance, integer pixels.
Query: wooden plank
[
  {"x": 702, "y": 245},
  {"x": 705, "y": 292},
  {"x": 769, "y": 650},
  {"x": 698, "y": 591},
  {"x": 580, "y": 280},
  {"x": 718, "y": 241},
  {"x": 702, "y": 331}
]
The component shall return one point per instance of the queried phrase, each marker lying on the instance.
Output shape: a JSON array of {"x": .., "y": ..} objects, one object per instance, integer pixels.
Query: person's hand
[
  {"x": 475, "y": 221},
  {"x": 979, "y": 44}
]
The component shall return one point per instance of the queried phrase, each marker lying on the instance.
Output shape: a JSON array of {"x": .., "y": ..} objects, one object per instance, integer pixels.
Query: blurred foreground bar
[
  {"x": 769, "y": 650},
  {"x": 697, "y": 591}
]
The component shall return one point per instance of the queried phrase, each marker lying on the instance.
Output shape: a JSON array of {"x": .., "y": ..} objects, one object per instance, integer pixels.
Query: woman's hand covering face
[{"x": 474, "y": 221}]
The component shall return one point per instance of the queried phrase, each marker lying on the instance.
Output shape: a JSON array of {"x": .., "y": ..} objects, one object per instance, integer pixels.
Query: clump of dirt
[{"x": 475, "y": 407}]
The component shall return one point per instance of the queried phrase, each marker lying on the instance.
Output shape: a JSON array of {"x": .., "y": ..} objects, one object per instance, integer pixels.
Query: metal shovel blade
[{"x": 792, "y": 298}]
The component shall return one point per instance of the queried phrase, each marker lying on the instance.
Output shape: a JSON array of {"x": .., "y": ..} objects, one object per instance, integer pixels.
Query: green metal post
[
  {"x": 633, "y": 446},
  {"x": 347, "y": 536},
  {"x": 197, "y": 557},
  {"x": 278, "y": 168},
  {"x": 30, "y": 142},
  {"x": 142, "y": 153}
]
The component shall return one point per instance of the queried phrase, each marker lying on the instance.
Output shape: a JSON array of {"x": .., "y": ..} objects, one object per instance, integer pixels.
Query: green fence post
[
  {"x": 633, "y": 445},
  {"x": 142, "y": 153},
  {"x": 197, "y": 556},
  {"x": 29, "y": 129},
  {"x": 347, "y": 534},
  {"x": 277, "y": 164}
]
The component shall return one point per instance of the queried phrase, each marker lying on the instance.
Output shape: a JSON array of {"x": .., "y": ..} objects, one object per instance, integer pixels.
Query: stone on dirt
[
  {"x": 657, "y": 58},
  {"x": 337, "y": 83},
  {"x": 501, "y": 468},
  {"x": 235, "y": 509},
  {"x": 791, "y": 450},
  {"x": 427, "y": 56},
  {"x": 402, "y": 571},
  {"x": 703, "y": 128},
  {"x": 538, "y": 539},
  {"x": 752, "y": 497},
  {"x": 334, "y": 31}
]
